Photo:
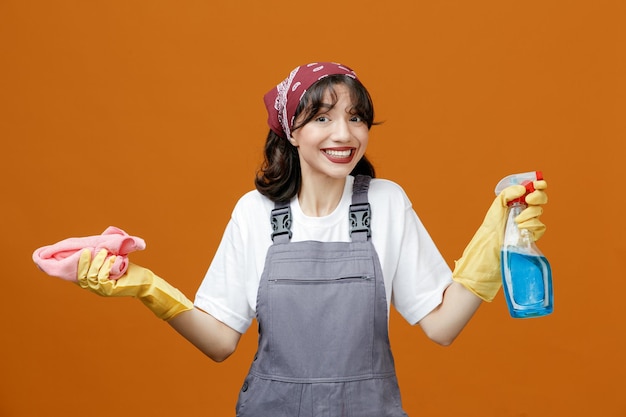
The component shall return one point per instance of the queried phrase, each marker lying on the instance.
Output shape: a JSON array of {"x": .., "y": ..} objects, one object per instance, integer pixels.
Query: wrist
[{"x": 163, "y": 299}]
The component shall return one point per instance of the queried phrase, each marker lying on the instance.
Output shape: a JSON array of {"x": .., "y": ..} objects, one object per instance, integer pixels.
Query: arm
[
  {"x": 447, "y": 320},
  {"x": 211, "y": 336}
]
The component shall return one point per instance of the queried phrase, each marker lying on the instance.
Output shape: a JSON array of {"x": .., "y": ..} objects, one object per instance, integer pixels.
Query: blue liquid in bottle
[
  {"x": 526, "y": 273},
  {"x": 527, "y": 282}
]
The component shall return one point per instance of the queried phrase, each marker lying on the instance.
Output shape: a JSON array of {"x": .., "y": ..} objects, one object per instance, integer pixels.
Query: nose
[{"x": 341, "y": 130}]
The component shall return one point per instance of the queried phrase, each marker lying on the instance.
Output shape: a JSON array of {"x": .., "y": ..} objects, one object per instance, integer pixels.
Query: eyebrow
[{"x": 324, "y": 107}]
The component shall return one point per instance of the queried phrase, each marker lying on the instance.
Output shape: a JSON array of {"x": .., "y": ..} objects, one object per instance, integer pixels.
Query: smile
[{"x": 338, "y": 153}]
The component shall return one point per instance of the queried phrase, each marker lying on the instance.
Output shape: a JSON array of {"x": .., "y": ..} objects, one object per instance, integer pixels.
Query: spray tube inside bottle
[{"x": 526, "y": 273}]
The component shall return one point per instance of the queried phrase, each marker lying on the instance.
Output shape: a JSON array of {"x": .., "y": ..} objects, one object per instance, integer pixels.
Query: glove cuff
[
  {"x": 164, "y": 300},
  {"x": 478, "y": 270},
  {"x": 484, "y": 289}
]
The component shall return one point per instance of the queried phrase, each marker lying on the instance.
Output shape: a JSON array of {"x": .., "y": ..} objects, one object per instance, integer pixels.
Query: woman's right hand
[
  {"x": 157, "y": 294},
  {"x": 93, "y": 275}
]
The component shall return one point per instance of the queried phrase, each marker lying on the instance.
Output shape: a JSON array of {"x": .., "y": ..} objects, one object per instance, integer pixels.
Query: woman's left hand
[{"x": 529, "y": 218}]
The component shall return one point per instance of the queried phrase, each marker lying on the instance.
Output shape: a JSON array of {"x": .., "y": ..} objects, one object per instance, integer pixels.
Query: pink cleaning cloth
[{"x": 61, "y": 259}]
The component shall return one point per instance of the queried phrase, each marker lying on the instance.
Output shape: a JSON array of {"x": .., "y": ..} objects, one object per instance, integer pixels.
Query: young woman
[{"x": 317, "y": 254}]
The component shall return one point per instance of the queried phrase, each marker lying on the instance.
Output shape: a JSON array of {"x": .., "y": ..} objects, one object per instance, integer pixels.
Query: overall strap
[
  {"x": 360, "y": 210},
  {"x": 281, "y": 222}
]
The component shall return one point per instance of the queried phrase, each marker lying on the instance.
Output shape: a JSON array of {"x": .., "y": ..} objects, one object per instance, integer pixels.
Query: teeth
[{"x": 338, "y": 154}]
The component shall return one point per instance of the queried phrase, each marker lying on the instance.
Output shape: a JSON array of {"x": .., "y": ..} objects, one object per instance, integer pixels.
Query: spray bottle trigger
[
  {"x": 530, "y": 187},
  {"x": 526, "y": 179}
]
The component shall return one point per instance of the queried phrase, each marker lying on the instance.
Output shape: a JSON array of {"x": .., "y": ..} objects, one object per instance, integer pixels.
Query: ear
[{"x": 293, "y": 141}]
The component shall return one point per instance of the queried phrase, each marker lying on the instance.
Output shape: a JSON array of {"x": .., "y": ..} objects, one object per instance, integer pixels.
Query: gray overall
[{"x": 322, "y": 314}]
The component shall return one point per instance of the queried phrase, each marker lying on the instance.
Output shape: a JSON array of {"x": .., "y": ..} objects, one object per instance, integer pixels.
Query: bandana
[{"x": 282, "y": 101}]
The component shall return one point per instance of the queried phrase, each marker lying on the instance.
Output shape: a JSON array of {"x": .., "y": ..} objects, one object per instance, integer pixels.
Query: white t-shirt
[{"x": 414, "y": 271}]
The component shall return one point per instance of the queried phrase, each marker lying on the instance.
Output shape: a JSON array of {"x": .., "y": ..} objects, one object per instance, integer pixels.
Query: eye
[
  {"x": 321, "y": 119},
  {"x": 356, "y": 118}
]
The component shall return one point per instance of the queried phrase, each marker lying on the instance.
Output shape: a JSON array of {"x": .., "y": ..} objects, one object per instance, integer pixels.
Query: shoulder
[
  {"x": 252, "y": 210},
  {"x": 388, "y": 193},
  {"x": 253, "y": 201},
  {"x": 385, "y": 185}
]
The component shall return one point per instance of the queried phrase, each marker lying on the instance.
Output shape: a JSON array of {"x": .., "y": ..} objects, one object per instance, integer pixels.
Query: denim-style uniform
[{"x": 323, "y": 336}]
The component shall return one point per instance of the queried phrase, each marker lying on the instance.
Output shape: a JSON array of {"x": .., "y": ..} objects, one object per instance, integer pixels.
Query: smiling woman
[{"x": 318, "y": 254}]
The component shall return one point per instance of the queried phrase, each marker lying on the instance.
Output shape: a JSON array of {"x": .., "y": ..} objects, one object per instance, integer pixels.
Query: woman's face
[{"x": 331, "y": 144}]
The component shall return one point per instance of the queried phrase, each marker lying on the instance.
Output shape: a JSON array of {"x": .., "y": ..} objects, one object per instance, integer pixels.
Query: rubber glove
[
  {"x": 159, "y": 296},
  {"x": 478, "y": 270},
  {"x": 529, "y": 218}
]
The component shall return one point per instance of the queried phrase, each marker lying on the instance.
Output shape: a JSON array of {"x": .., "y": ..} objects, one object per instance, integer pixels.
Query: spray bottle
[{"x": 526, "y": 273}]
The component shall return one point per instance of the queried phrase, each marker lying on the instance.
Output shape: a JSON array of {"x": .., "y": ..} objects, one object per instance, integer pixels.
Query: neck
[{"x": 320, "y": 197}]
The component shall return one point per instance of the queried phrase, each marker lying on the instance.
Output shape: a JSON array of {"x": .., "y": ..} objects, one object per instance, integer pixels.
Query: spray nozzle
[{"x": 526, "y": 179}]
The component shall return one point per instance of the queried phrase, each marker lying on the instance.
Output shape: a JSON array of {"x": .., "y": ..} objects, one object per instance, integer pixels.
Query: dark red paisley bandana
[{"x": 282, "y": 101}]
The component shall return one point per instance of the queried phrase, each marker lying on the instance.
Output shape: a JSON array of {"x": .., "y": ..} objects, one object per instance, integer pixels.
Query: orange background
[{"x": 148, "y": 116}]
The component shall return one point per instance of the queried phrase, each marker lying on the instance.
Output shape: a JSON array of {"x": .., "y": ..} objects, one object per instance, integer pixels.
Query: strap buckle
[
  {"x": 360, "y": 215},
  {"x": 281, "y": 222}
]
